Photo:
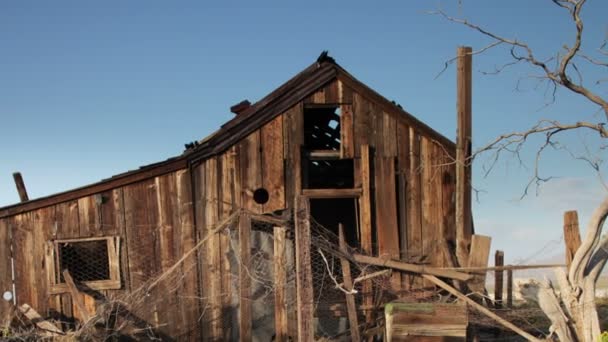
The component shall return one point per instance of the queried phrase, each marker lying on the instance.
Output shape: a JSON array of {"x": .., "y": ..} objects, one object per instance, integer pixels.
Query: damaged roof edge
[{"x": 278, "y": 101}]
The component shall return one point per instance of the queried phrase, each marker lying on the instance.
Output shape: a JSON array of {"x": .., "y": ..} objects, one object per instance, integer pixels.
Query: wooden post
[
  {"x": 499, "y": 260},
  {"x": 280, "y": 282},
  {"x": 348, "y": 285},
  {"x": 510, "y": 288},
  {"x": 366, "y": 226},
  {"x": 244, "y": 277},
  {"x": 463, "y": 155},
  {"x": 304, "y": 283},
  {"x": 20, "y": 187},
  {"x": 572, "y": 235}
]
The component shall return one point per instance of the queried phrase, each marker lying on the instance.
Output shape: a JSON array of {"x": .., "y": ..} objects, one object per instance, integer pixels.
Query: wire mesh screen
[{"x": 85, "y": 260}]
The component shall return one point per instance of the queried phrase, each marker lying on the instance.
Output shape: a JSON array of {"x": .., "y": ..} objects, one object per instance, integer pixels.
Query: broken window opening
[
  {"x": 322, "y": 128},
  {"x": 330, "y": 212},
  {"x": 93, "y": 262},
  {"x": 330, "y": 174}
]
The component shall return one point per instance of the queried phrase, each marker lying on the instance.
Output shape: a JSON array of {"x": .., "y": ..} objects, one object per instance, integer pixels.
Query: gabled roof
[{"x": 281, "y": 99}]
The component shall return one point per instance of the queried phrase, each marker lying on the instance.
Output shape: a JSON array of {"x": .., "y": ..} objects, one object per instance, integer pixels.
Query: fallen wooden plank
[
  {"x": 402, "y": 266},
  {"x": 40, "y": 322},
  {"x": 480, "y": 307},
  {"x": 353, "y": 322},
  {"x": 478, "y": 257}
]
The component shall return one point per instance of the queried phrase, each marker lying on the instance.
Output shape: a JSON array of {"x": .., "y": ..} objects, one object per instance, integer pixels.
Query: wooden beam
[
  {"x": 403, "y": 266},
  {"x": 23, "y": 197},
  {"x": 244, "y": 277},
  {"x": 463, "y": 155},
  {"x": 77, "y": 297},
  {"x": 499, "y": 260},
  {"x": 502, "y": 268},
  {"x": 480, "y": 308},
  {"x": 332, "y": 193},
  {"x": 323, "y": 154},
  {"x": 304, "y": 283},
  {"x": 353, "y": 321},
  {"x": 572, "y": 235},
  {"x": 280, "y": 281},
  {"x": 365, "y": 221}
]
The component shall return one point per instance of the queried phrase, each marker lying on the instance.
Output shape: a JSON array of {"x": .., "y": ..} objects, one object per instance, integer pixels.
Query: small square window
[{"x": 93, "y": 262}]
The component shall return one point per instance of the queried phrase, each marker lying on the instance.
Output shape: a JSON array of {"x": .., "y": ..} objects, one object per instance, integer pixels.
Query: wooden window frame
[{"x": 53, "y": 264}]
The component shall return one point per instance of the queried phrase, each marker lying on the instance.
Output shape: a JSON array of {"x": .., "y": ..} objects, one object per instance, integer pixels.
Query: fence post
[
  {"x": 303, "y": 270},
  {"x": 499, "y": 260},
  {"x": 244, "y": 279},
  {"x": 280, "y": 281},
  {"x": 510, "y": 288},
  {"x": 348, "y": 285},
  {"x": 572, "y": 235}
]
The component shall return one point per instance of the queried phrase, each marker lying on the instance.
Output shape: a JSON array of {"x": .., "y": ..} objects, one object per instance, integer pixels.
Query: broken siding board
[
  {"x": 414, "y": 200},
  {"x": 386, "y": 135},
  {"x": 363, "y": 118},
  {"x": 6, "y": 281},
  {"x": 213, "y": 251},
  {"x": 25, "y": 281},
  {"x": 166, "y": 204},
  {"x": 43, "y": 222},
  {"x": 347, "y": 143},
  {"x": 365, "y": 222},
  {"x": 88, "y": 216},
  {"x": 67, "y": 227},
  {"x": 386, "y": 213},
  {"x": 480, "y": 253},
  {"x": 272, "y": 164},
  {"x": 225, "y": 192},
  {"x": 189, "y": 287},
  {"x": 293, "y": 126},
  {"x": 140, "y": 238},
  {"x": 251, "y": 170}
]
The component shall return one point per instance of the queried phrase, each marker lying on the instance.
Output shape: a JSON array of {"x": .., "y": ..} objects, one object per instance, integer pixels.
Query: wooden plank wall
[
  {"x": 6, "y": 279},
  {"x": 412, "y": 189}
]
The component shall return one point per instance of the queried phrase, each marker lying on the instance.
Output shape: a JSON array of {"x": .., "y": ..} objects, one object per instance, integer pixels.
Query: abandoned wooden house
[{"x": 323, "y": 143}]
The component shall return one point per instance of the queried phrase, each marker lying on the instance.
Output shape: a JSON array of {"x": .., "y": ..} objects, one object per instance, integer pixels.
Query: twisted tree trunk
[{"x": 579, "y": 321}]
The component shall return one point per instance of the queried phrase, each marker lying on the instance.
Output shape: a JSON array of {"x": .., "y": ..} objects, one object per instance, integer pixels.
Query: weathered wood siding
[{"x": 160, "y": 218}]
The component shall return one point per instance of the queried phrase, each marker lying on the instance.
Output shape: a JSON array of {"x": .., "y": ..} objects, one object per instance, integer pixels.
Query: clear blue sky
[{"x": 91, "y": 89}]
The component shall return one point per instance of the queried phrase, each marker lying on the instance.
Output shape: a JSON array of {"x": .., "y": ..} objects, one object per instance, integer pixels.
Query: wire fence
[{"x": 173, "y": 297}]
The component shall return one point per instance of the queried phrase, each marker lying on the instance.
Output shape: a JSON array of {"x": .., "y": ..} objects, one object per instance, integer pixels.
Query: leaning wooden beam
[
  {"x": 353, "y": 321},
  {"x": 479, "y": 307},
  {"x": 502, "y": 268},
  {"x": 463, "y": 155},
  {"x": 304, "y": 284},
  {"x": 77, "y": 297},
  {"x": 402, "y": 266},
  {"x": 35, "y": 318},
  {"x": 245, "y": 319},
  {"x": 280, "y": 281},
  {"x": 20, "y": 187}
]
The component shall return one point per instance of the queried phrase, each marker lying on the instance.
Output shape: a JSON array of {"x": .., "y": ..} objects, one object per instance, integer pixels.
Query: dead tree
[{"x": 573, "y": 311}]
